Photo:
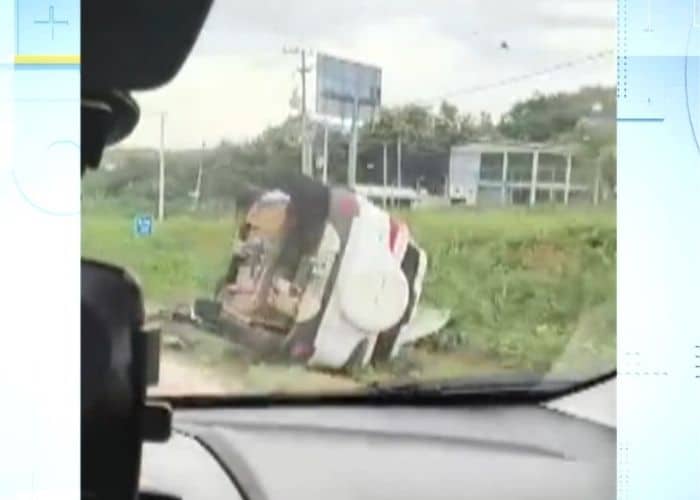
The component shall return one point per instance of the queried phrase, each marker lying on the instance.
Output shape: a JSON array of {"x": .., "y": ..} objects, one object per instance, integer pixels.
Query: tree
[
  {"x": 419, "y": 126},
  {"x": 449, "y": 125},
  {"x": 585, "y": 118},
  {"x": 486, "y": 128},
  {"x": 543, "y": 118}
]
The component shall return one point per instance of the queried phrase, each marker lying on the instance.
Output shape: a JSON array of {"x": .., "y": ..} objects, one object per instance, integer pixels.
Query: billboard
[{"x": 340, "y": 81}]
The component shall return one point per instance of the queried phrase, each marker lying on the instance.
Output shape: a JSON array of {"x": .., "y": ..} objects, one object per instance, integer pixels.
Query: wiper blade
[
  {"x": 500, "y": 390},
  {"x": 501, "y": 386}
]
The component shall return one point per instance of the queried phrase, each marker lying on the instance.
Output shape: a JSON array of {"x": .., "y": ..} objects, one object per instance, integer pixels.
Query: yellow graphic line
[{"x": 37, "y": 59}]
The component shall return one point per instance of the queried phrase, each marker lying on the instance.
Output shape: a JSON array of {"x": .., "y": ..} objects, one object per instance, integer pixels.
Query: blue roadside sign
[{"x": 143, "y": 225}]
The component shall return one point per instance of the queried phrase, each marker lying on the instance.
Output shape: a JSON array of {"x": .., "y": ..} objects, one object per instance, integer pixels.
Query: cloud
[
  {"x": 269, "y": 21},
  {"x": 237, "y": 80}
]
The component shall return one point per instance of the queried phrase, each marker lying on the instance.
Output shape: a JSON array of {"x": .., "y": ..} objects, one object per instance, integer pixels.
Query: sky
[{"x": 238, "y": 80}]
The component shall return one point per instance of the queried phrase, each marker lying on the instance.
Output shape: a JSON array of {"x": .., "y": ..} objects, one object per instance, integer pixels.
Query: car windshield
[{"x": 333, "y": 196}]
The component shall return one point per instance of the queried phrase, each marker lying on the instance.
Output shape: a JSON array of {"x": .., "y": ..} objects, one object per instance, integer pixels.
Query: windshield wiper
[
  {"x": 516, "y": 387},
  {"x": 500, "y": 390}
]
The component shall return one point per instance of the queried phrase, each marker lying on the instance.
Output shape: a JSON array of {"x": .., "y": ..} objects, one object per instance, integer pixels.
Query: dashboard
[{"x": 512, "y": 452}]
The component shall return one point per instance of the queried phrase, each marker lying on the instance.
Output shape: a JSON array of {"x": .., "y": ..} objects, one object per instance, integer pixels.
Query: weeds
[{"x": 523, "y": 286}]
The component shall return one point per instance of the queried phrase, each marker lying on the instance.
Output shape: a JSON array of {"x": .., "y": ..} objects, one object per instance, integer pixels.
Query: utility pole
[
  {"x": 161, "y": 176},
  {"x": 303, "y": 70},
  {"x": 398, "y": 162},
  {"x": 567, "y": 186},
  {"x": 596, "y": 185},
  {"x": 197, "y": 194},
  {"x": 385, "y": 163},
  {"x": 533, "y": 178},
  {"x": 325, "y": 155}
]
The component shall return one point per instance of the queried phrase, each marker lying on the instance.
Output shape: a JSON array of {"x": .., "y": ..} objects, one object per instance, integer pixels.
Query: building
[
  {"x": 478, "y": 174},
  {"x": 486, "y": 174}
]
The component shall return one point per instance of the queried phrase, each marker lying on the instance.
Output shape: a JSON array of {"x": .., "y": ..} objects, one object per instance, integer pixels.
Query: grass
[
  {"x": 525, "y": 287},
  {"x": 182, "y": 259}
]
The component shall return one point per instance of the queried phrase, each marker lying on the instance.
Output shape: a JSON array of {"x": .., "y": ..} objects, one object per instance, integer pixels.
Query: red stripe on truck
[{"x": 394, "y": 227}]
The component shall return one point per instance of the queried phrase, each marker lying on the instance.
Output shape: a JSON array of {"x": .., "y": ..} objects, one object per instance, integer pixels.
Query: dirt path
[
  {"x": 196, "y": 363},
  {"x": 184, "y": 375},
  {"x": 193, "y": 362},
  {"x": 180, "y": 376}
]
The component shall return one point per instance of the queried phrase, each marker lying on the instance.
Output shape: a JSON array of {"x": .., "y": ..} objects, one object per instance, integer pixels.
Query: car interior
[{"x": 528, "y": 440}]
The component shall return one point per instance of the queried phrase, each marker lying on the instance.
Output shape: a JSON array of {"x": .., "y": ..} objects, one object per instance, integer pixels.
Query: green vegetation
[
  {"x": 231, "y": 170},
  {"x": 182, "y": 260},
  {"x": 522, "y": 284}
]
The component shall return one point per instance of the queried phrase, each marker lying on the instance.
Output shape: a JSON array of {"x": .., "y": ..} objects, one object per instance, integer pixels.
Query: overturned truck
[{"x": 320, "y": 276}]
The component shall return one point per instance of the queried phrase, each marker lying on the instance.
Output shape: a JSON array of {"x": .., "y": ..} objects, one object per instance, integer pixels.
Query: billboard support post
[
  {"x": 347, "y": 88},
  {"x": 352, "y": 150}
]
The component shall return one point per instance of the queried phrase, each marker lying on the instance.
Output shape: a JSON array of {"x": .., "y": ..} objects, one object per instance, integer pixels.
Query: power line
[{"x": 522, "y": 77}]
